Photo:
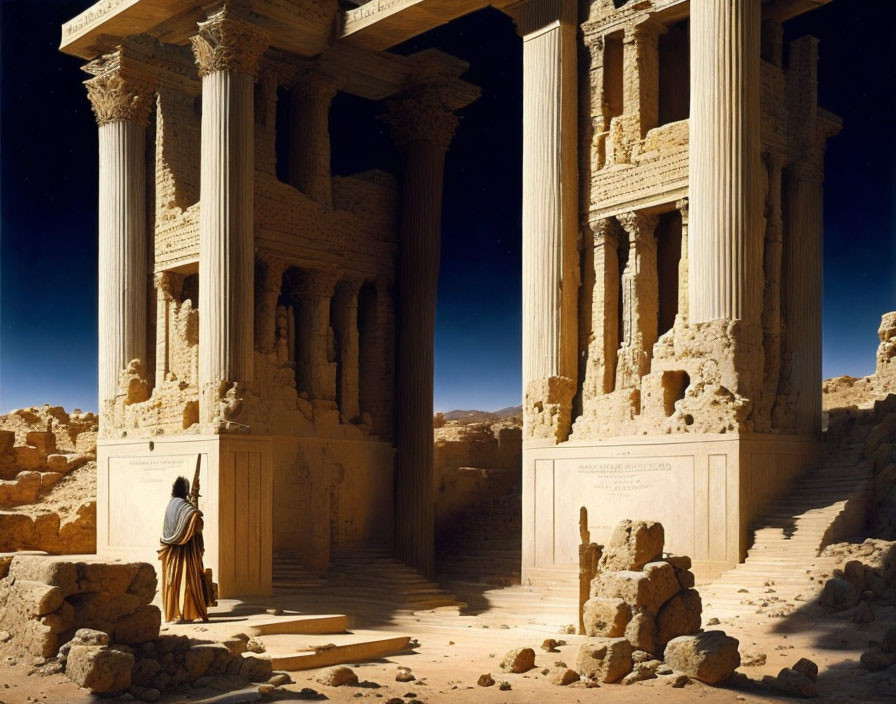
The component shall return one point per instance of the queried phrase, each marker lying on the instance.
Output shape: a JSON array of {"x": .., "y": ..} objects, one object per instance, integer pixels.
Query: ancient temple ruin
[{"x": 279, "y": 330}]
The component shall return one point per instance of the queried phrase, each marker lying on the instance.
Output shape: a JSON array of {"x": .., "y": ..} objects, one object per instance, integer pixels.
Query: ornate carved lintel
[{"x": 226, "y": 42}]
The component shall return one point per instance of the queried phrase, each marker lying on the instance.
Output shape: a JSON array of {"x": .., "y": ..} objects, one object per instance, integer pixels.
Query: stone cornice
[{"x": 226, "y": 42}]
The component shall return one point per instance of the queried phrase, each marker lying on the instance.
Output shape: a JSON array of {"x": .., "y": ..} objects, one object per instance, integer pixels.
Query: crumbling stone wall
[
  {"x": 473, "y": 464},
  {"x": 47, "y": 480},
  {"x": 638, "y": 375}
]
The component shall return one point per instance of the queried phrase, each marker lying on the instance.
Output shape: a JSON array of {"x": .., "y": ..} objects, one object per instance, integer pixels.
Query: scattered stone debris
[
  {"x": 519, "y": 660},
  {"x": 338, "y": 677},
  {"x": 550, "y": 645},
  {"x": 485, "y": 680},
  {"x": 562, "y": 676},
  {"x": 504, "y": 686},
  {"x": 792, "y": 683},
  {"x": 404, "y": 674},
  {"x": 752, "y": 659}
]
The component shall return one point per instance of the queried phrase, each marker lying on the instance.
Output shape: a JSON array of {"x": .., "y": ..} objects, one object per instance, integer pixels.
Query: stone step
[
  {"x": 359, "y": 646},
  {"x": 306, "y": 625}
]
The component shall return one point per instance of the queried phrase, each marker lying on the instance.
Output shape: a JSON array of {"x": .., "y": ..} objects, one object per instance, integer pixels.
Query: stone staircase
[
  {"x": 369, "y": 579},
  {"x": 479, "y": 560},
  {"x": 782, "y": 566},
  {"x": 483, "y": 545}
]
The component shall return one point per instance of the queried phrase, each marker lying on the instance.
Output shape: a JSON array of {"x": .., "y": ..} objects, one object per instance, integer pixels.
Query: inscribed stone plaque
[
  {"x": 139, "y": 491},
  {"x": 616, "y": 488}
]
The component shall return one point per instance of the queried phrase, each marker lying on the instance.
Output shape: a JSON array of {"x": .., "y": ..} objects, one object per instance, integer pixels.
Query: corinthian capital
[
  {"x": 638, "y": 224},
  {"x": 114, "y": 97},
  {"x": 422, "y": 116},
  {"x": 226, "y": 42}
]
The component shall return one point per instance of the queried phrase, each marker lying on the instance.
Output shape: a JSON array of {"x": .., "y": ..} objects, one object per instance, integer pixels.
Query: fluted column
[
  {"x": 227, "y": 50},
  {"x": 725, "y": 239},
  {"x": 315, "y": 370},
  {"x": 423, "y": 127},
  {"x": 121, "y": 105},
  {"x": 309, "y": 136},
  {"x": 640, "y": 300},
  {"x": 268, "y": 289},
  {"x": 601, "y": 374},
  {"x": 550, "y": 215},
  {"x": 345, "y": 328},
  {"x": 682, "y": 207}
]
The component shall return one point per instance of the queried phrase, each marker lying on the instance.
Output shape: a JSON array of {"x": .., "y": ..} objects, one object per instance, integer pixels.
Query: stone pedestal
[
  {"x": 134, "y": 479},
  {"x": 227, "y": 51},
  {"x": 704, "y": 489},
  {"x": 121, "y": 106}
]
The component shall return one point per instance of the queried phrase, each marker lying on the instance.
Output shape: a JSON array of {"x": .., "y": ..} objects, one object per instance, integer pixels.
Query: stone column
[
  {"x": 771, "y": 310},
  {"x": 802, "y": 282},
  {"x": 725, "y": 241},
  {"x": 640, "y": 300},
  {"x": 641, "y": 78},
  {"x": 550, "y": 215},
  {"x": 601, "y": 374},
  {"x": 309, "y": 136},
  {"x": 268, "y": 288},
  {"x": 167, "y": 292},
  {"x": 682, "y": 207},
  {"x": 121, "y": 105},
  {"x": 345, "y": 328},
  {"x": 423, "y": 126},
  {"x": 227, "y": 51},
  {"x": 315, "y": 372},
  {"x": 597, "y": 103}
]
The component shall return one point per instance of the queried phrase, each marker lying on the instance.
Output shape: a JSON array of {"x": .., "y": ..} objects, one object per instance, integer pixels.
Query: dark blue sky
[{"x": 48, "y": 186}]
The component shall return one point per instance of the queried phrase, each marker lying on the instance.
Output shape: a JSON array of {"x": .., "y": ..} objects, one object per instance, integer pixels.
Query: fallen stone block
[
  {"x": 99, "y": 668},
  {"x": 606, "y": 617},
  {"x": 711, "y": 656},
  {"x": 562, "y": 676},
  {"x": 680, "y": 616},
  {"x": 605, "y": 659}
]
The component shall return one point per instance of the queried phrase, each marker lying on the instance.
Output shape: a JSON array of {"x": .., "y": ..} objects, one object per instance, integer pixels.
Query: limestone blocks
[
  {"x": 639, "y": 595},
  {"x": 547, "y": 408}
]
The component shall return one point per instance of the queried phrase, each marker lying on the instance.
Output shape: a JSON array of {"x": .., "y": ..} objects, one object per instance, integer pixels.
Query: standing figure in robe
[{"x": 184, "y": 592}]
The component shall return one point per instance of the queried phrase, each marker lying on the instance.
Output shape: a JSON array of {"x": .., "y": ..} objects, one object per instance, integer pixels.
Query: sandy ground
[{"x": 454, "y": 650}]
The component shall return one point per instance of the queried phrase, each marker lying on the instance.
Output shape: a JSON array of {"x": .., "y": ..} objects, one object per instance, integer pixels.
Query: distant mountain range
[{"x": 482, "y": 416}]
